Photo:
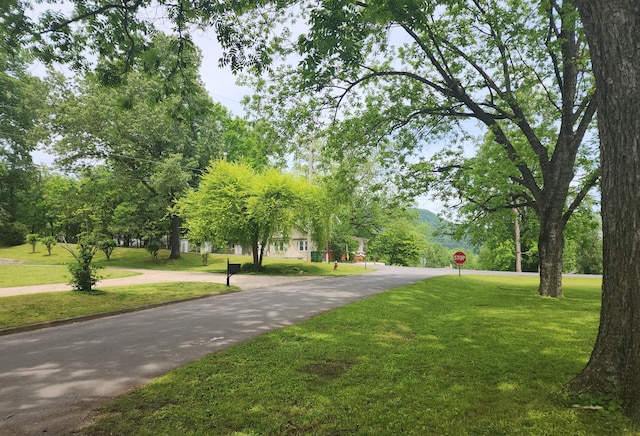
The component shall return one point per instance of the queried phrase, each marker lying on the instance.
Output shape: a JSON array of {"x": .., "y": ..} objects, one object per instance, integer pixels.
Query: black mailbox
[{"x": 232, "y": 268}]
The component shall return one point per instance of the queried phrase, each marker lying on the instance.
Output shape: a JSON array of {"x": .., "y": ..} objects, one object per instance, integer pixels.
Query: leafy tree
[
  {"x": 107, "y": 246},
  {"x": 21, "y": 112},
  {"x": 49, "y": 242},
  {"x": 32, "y": 239},
  {"x": 155, "y": 125},
  {"x": 436, "y": 255},
  {"x": 400, "y": 243},
  {"x": 412, "y": 69},
  {"x": 236, "y": 204},
  {"x": 84, "y": 274}
]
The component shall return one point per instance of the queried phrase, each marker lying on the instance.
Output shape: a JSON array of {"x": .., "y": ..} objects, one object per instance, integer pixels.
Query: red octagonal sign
[{"x": 459, "y": 258}]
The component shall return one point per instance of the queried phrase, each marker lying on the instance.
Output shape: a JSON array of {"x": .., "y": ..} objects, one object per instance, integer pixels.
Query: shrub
[
  {"x": 153, "y": 247},
  {"x": 83, "y": 273},
  {"x": 49, "y": 242},
  {"x": 12, "y": 234},
  {"x": 32, "y": 238},
  {"x": 107, "y": 246}
]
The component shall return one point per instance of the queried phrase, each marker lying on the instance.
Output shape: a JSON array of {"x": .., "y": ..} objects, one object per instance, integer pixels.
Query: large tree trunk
[
  {"x": 550, "y": 251},
  {"x": 255, "y": 253},
  {"x": 612, "y": 28},
  {"x": 175, "y": 237}
]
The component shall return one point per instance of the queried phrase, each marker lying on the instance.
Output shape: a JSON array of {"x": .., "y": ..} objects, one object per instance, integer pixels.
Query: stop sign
[{"x": 459, "y": 258}]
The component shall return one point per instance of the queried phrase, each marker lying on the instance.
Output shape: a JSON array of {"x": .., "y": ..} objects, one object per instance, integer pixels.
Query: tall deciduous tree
[
  {"x": 156, "y": 125},
  {"x": 21, "y": 103},
  {"x": 410, "y": 69},
  {"x": 612, "y": 28}
]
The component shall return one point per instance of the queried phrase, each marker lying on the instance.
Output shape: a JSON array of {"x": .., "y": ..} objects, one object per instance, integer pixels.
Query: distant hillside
[{"x": 438, "y": 231}]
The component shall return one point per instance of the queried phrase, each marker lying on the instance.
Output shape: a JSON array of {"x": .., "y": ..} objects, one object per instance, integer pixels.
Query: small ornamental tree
[
  {"x": 152, "y": 246},
  {"x": 49, "y": 242},
  {"x": 84, "y": 275},
  {"x": 32, "y": 239},
  {"x": 107, "y": 246}
]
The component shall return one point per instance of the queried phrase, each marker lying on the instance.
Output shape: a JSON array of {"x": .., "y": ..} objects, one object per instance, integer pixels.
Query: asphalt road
[{"x": 52, "y": 379}]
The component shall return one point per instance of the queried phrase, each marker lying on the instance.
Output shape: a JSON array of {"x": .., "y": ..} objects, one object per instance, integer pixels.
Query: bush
[
  {"x": 249, "y": 267},
  {"x": 107, "y": 246},
  {"x": 84, "y": 274},
  {"x": 153, "y": 248},
  {"x": 32, "y": 238},
  {"x": 12, "y": 234},
  {"x": 49, "y": 242}
]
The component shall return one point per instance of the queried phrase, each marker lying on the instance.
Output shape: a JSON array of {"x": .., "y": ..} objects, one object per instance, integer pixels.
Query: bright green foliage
[
  {"x": 400, "y": 243},
  {"x": 402, "y": 75},
  {"x": 84, "y": 274},
  {"x": 49, "y": 242},
  {"x": 236, "y": 204}
]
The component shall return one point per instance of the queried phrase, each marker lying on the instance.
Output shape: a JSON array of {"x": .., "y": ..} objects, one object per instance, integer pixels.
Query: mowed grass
[
  {"x": 23, "y": 275},
  {"x": 216, "y": 263},
  {"x": 472, "y": 355},
  {"x": 23, "y": 310}
]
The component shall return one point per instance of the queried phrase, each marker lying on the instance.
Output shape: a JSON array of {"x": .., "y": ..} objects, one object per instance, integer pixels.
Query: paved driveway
[{"x": 52, "y": 379}]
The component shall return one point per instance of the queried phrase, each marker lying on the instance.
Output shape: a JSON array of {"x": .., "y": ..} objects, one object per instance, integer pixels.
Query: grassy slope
[
  {"x": 139, "y": 258},
  {"x": 449, "y": 356}
]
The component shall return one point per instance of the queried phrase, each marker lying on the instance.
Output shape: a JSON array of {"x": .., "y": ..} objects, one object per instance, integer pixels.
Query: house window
[
  {"x": 302, "y": 246},
  {"x": 278, "y": 245}
]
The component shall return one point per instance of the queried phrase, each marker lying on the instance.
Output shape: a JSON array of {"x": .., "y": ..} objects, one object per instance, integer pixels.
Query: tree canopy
[
  {"x": 397, "y": 77},
  {"x": 235, "y": 204}
]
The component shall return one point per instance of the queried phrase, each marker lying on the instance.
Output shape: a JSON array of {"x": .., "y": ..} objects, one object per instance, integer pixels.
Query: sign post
[{"x": 459, "y": 258}]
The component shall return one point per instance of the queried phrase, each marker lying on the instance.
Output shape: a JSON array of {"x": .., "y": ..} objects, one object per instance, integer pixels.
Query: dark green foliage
[
  {"x": 107, "y": 246},
  {"x": 589, "y": 255},
  {"x": 153, "y": 247},
  {"x": 250, "y": 267},
  {"x": 12, "y": 234}
]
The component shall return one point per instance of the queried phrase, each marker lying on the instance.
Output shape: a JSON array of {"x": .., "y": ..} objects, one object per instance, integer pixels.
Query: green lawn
[
  {"x": 470, "y": 355},
  {"x": 34, "y": 308},
  {"x": 23, "y": 275},
  {"x": 140, "y": 258}
]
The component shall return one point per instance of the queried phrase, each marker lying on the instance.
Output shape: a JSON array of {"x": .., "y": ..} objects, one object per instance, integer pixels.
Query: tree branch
[
  {"x": 92, "y": 13},
  {"x": 590, "y": 181}
]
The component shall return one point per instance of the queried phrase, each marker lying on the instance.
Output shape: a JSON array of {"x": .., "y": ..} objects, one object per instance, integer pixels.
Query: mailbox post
[{"x": 232, "y": 268}]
